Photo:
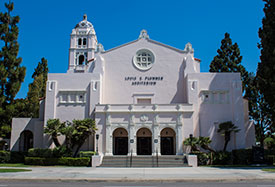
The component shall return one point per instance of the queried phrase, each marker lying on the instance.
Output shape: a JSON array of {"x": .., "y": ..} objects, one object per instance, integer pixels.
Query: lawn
[
  {"x": 12, "y": 165},
  {"x": 6, "y": 170},
  {"x": 269, "y": 169}
]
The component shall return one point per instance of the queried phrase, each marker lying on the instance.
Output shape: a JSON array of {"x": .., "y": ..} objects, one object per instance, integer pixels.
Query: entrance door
[
  {"x": 167, "y": 145},
  {"x": 168, "y": 140},
  {"x": 121, "y": 146},
  {"x": 144, "y": 142},
  {"x": 144, "y": 146},
  {"x": 120, "y": 141}
]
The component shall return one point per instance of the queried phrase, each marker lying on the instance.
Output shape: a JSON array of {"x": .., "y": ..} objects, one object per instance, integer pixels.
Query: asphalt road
[{"x": 30, "y": 183}]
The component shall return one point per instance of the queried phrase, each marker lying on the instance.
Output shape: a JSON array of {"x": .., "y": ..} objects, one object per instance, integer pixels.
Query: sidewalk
[{"x": 199, "y": 174}]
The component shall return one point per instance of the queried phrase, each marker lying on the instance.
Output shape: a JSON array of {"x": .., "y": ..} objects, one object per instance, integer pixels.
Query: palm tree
[
  {"x": 204, "y": 143},
  {"x": 53, "y": 129},
  {"x": 226, "y": 128},
  {"x": 192, "y": 142}
]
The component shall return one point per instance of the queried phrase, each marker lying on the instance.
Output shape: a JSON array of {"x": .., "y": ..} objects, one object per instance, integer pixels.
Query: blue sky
[{"x": 45, "y": 27}]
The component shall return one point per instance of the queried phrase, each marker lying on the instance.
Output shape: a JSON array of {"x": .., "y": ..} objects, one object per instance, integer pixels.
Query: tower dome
[{"x": 85, "y": 25}]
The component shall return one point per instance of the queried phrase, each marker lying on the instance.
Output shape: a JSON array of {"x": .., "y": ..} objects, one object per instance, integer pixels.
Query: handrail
[
  {"x": 157, "y": 158},
  {"x": 131, "y": 158}
]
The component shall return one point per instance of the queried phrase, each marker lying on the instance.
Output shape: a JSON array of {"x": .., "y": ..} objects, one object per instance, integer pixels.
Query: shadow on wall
[
  {"x": 180, "y": 96},
  {"x": 221, "y": 102}
]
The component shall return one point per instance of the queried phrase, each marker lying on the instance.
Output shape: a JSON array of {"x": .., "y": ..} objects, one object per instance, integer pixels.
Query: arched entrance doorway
[
  {"x": 26, "y": 140},
  {"x": 168, "y": 142},
  {"x": 120, "y": 142},
  {"x": 144, "y": 142}
]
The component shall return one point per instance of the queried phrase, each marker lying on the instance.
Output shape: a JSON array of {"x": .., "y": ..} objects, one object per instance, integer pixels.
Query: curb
[{"x": 139, "y": 180}]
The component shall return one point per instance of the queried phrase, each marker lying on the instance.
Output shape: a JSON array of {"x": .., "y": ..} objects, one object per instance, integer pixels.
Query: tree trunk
[
  {"x": 77, "y": 149},
  {"x": 225, "y": 145},
  {"x": 55, "y": 141}
]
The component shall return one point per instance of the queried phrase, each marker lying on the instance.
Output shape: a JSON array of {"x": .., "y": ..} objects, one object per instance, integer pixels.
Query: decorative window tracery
[{"x": 144, "y": 59}]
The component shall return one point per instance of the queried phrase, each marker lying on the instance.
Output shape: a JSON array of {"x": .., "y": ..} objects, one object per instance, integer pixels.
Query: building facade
[{"x": 145, "y": 96}]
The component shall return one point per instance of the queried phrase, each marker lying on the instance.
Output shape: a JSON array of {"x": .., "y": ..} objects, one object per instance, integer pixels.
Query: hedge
[
  {"x": 87, "y": 153},
  {"x": 242, "y": 156},
  {"x": 67, "y": 161},
  {"x": 4, "y": 156},
  {"x": 37, "y": 152},
  {"x": 17, "y": 156}
]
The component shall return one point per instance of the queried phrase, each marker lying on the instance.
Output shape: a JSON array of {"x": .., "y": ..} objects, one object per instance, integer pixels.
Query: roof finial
[
  {"x": 143, "y": 34},
  {"x": 85, "y": 17}
]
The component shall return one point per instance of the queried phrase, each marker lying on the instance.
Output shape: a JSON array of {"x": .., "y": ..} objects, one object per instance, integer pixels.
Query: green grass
[
  {"x": 234, "y": 166},
  {"x": 12, "y": 165},
  {"x": 269, "y": 169},
  {"x": 7, "y": 170}
]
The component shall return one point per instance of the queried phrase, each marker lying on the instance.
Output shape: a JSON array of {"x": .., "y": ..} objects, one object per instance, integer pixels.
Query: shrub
[
  {"x": 17, "y": 156},
  {"x": 61, "y": 151},
  {"x": 37, "y": 152},
  {"x": 203, "y": 158},
  {"x": 41, "y": 161},
  {"x": 69, "y": 161},
  {"x": 4, "y": 156},
  {"x": 86, "y": 153},
  {"x": 242, "y": 156},
  {"x": 222, "y": 158}
]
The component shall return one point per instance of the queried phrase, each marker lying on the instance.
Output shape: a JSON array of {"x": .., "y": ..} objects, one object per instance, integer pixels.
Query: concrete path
[{"x": 141, "y": 174}]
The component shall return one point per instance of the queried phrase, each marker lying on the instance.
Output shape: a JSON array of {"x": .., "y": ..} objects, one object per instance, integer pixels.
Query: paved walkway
[{"x": 141, "y": 174}]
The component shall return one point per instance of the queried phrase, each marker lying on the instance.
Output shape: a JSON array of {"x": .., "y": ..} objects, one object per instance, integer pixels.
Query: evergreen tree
[
  {"x": 229, "y": 59},
  {"x": 258, "y": 109},
  {"x": 12, "y": 74},
  {"x": 42, "y": 69},
  {"x": 37, "y": 89},
  {"x": 266, "y": 68}
]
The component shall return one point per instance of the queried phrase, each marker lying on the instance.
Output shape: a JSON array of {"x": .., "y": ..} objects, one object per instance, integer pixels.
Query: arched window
[
  {"x": 79, "y": 41},
  {"x": 81, "y": 59},
  {"x": 84, "y": 41},
  {"x": 26, "y": 140}
]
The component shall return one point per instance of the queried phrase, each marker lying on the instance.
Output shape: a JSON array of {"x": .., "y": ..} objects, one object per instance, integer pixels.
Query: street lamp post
[{"x": 97, "y": 137}]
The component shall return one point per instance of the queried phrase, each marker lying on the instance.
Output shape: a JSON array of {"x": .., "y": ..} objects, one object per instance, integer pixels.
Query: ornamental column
[
  {"x": 132, "y": 140},
  {"x": 109, "y": 137},
  {"x": 156, "y": 134},
  {"x": 179, "y": 137}
]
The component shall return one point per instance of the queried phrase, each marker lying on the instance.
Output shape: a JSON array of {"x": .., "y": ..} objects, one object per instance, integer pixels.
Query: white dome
[{"x": 85, "y": 24}]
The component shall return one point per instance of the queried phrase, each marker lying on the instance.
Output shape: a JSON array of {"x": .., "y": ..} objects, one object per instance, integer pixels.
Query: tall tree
[
  {"x": 229, "y": 59},
  {"x": 42, "y": 69},
  {"x": 266, "y": 68},
  {"x": 12, "y": 74},
  {"x": 37, "y": 89},
  {"x": 259, "y": 109}
]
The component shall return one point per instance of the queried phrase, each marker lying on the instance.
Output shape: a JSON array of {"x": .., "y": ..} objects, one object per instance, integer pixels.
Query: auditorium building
[{"x": 145, "y": 96}]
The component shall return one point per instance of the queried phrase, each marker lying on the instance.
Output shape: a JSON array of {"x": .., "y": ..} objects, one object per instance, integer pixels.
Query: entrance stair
[{"x": 144, "y": 161}]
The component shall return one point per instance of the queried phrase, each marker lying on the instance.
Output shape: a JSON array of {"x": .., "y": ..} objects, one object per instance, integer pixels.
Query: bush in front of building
[
  {"x": 242, "y": 156},
  {"x": 67, "y": 161},
  {"x": 41, "y": 161},
  {"x": 4, "y": 156},
  {"x": 61, "y": 151},
  {"x": 38, "y": 152},
  {"x": 17, "y": 156},
  {"x": 222, "y": 158},
  {"x": 203, "y": 158},
  {"x": 87, "y": 153}
]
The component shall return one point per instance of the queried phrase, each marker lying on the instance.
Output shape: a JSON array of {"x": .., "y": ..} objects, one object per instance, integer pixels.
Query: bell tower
[{"x": 82, "y": 46}]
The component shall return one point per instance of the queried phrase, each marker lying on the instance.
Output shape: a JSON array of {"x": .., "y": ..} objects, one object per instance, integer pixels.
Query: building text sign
[{"x": 144, "y": 80}]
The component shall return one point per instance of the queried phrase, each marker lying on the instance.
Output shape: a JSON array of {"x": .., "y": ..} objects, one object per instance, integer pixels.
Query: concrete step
[{"x": 144, "y": 161}]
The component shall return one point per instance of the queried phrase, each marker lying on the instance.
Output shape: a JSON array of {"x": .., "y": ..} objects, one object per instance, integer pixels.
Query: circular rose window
[{"x": 144, "y": 59}]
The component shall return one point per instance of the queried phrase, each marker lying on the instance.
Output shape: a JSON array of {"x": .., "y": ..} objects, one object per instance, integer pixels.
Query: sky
[{"x": 45, "y": 27}]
